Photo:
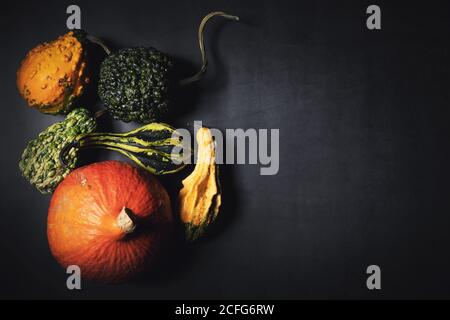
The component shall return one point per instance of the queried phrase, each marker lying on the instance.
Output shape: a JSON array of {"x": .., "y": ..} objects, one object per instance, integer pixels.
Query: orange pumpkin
[{"x": 110, "y": 219}]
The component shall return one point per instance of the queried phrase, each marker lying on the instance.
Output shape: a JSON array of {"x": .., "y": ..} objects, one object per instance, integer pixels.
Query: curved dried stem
[
  {"x": 99, "y": 42},
  {"x": 201, "y": 31}
]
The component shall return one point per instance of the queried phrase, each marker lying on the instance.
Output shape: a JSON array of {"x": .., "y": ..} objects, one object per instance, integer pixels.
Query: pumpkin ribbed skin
[{"x": 84, "y": 226}]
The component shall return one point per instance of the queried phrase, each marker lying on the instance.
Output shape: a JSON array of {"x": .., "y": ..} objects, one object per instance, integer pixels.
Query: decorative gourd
[
  {"x": 200, "y": 197},
  {"x": 134, "y": 83},
  {"x": 110, "y": 219},
  {"x": 48, "y": 158},
  {"x": 40, "y": 163},
  {"x": 53, "y": 74},
  {"x": 156, "y": 147}
]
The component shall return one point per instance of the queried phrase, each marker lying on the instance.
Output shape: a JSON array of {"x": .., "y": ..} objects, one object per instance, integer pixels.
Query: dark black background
[{"x": 364, "y": 139}]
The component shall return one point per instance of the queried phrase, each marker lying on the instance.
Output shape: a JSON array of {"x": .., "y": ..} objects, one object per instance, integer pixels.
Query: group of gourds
[{"x": 133, "y": 86}]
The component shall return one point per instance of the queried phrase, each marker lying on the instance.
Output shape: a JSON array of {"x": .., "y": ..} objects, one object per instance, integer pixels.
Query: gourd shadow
[
  {"x": 172, "y": 264},
  {"x": 91, "y": 101},
  {"x": 180, "y": 255},
  {"x": 218, "y": 74},
  {"x": 182, "y": 99},
  {"x": 230, "y": 205},
  {"x": 177, "y": 255}
]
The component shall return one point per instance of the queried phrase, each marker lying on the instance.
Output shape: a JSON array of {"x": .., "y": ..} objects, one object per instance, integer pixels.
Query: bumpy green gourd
[
  {"x": 133, "y": 84},
  {"x": 47, "y": 160},
  {"x": 40, "y": 163}
]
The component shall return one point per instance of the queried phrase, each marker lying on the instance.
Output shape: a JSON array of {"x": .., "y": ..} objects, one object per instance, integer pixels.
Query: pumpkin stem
[
  {"x": 99, "y": 42},
  {"x": 201, "y": 32},
  {"x": 125, "y": 221}
]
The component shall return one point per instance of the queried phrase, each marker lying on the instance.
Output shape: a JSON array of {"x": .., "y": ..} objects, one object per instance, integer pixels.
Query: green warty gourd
[
  {"x": 46, "y": 161},
  {"x": 40, "y": 163}
]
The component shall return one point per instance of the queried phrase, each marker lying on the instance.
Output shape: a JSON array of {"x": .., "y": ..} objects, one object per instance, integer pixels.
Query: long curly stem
[{"x": 201, "y": 29}]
